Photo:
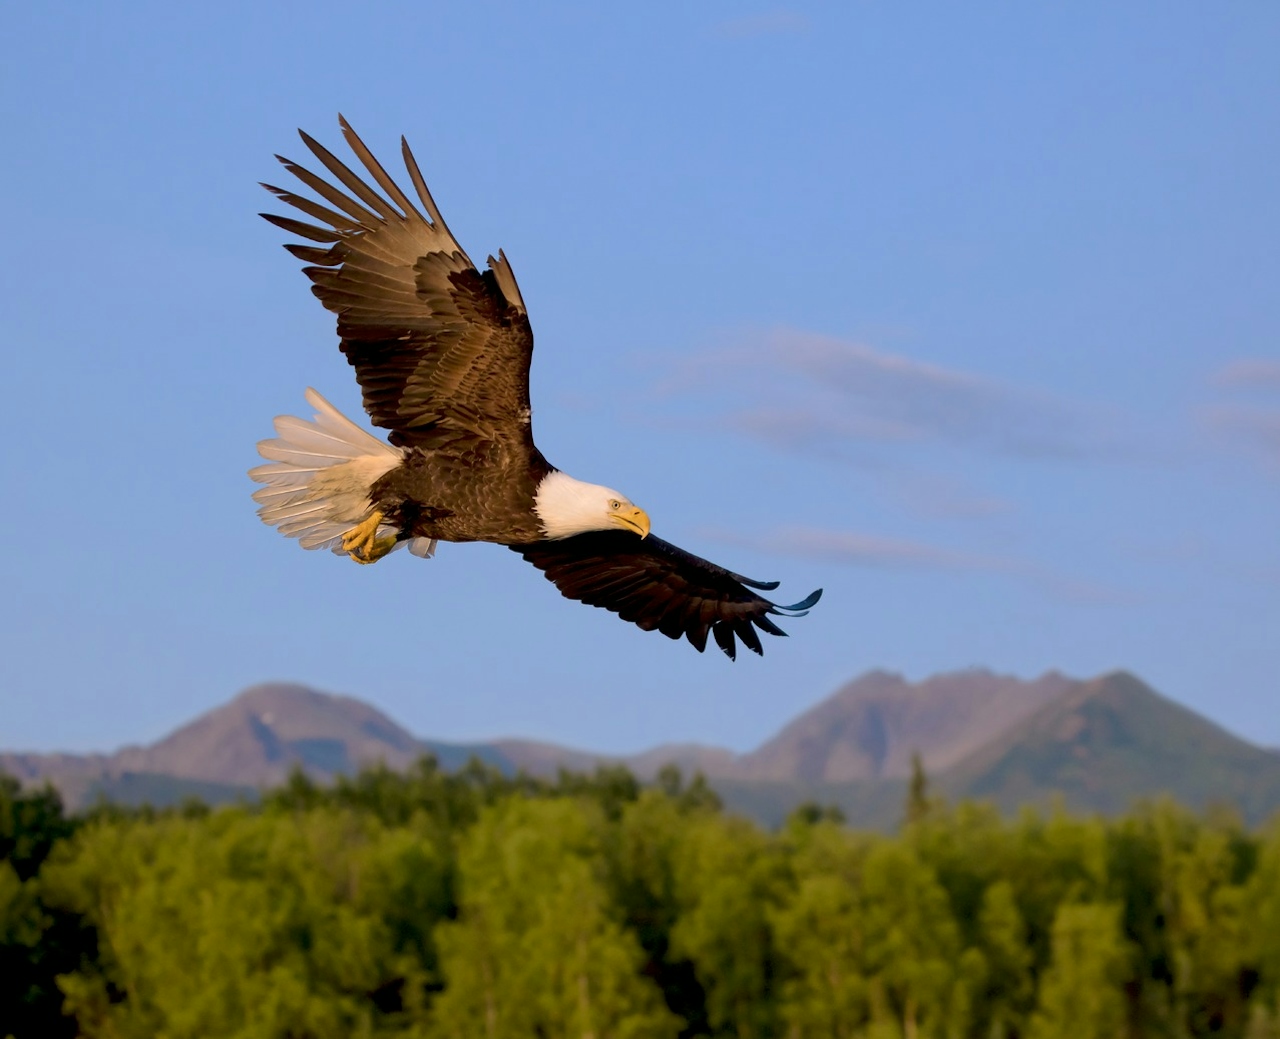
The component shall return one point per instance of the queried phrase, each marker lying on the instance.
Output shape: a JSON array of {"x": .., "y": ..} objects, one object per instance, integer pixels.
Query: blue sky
[{"x": 966, "y": 313}]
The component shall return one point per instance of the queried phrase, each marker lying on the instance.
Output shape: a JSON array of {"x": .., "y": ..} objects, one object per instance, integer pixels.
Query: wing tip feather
[
  {"x": 760, "y": 586},
  {"x": 723, "y": 635},
  {"x": 800, "y": 608}
]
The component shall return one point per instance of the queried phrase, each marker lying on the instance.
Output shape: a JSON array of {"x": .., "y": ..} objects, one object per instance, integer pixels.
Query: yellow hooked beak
[{"x": 632, "y": 518}]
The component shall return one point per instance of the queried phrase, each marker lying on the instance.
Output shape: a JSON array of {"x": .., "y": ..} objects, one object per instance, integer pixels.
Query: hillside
[
  {"x": 871, "y": 727},
  {"x": 251, "y": 742},
  {"x": 1095, "y": 746},
  {"x": 1112, "y": 740}
]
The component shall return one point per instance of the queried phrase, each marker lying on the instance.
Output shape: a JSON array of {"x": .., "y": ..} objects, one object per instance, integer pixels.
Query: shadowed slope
[{"x": 1112, "y": 740}]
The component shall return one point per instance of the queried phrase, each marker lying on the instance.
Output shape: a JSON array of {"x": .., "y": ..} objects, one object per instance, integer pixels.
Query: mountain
[
  {"x": 1095, "y": 745},
  {"x": 1110, "y": 740},
  {"x": 867, "y": 730},
  {"x": 254, "y": 741},
  {"x": 267, "y": 730},
  {"x": 871, "y": 728},
  {"x": 1092, "y": 746}
]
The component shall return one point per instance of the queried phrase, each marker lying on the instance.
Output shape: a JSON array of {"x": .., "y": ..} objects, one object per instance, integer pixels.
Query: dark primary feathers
[
  {"x": 435, "y": 343},
  {"x": 661, "y": 587}
]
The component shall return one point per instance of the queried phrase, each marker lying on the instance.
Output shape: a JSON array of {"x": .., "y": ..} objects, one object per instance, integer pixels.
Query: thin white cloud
[
  {"x": 805, "y": 391},
  {"x": 807, "y": 429},
  {"x": 842, "y": 546},
  {"x": 767, "y": 23},
  {"x": 945, "y": 497},
  {"x": 1249, "y": 372},
  {"x": 852, "y": 548},
  {"x": 1258, "y": 428},
  {"x": 1248, "y": 417}
]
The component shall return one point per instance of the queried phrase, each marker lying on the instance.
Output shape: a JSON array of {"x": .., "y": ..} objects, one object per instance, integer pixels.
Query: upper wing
[
  {"x": 656, "y": 585},
  {"x": 434, "y": 342}
]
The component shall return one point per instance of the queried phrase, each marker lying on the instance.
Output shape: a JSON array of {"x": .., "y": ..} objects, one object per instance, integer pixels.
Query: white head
[{"x": 566, "y": 506}]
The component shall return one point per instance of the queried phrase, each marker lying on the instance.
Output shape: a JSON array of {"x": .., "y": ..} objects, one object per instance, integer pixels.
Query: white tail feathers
[{"x": 318, "y": 476}]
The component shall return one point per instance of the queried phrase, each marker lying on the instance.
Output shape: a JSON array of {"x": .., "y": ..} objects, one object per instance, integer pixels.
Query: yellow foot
[
  {"x": 378, "y": 548},
  {"x": 363, "y": 545}
]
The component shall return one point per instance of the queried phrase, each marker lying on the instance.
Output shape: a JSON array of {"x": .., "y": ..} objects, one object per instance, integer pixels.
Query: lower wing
[{"x": 661, "y": 587}]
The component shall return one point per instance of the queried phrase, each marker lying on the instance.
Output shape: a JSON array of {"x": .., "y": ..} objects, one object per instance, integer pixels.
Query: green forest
[{"x": 476, "y": 906}]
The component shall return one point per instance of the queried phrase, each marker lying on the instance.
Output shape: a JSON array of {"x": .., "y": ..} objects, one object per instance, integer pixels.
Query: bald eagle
[{"x": 441, "y": 351}]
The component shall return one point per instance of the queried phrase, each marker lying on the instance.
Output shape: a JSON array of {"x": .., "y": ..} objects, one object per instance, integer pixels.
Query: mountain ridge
[{"x": 1096, "y": 744}]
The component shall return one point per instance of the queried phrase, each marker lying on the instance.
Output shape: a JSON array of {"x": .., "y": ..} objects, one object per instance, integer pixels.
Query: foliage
[
  {"x": 36, "y": 942},
  {"x": 538, "y": 948},
  {"x": 1082, "y": 992},
  {"x": 245, "y": 925},
  {"x": 436, "y": 905}
]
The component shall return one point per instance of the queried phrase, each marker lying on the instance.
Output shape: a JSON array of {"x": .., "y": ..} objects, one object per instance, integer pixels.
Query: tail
[{"x": 318, "y": 477}]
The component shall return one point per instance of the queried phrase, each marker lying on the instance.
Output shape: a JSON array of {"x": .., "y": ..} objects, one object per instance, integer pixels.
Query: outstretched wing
[
  {"x": 436, "y": 344},
  {"x": 654, "y": 584}
]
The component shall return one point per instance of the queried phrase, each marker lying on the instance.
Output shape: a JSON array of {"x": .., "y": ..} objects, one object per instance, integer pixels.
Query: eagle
[{"x": 441, "y": 351}]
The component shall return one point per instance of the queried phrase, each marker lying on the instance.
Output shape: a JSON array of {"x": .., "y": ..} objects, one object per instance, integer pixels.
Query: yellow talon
[
  {"x": 378, "y": 548},
  {"x": 362, "y": 543}
]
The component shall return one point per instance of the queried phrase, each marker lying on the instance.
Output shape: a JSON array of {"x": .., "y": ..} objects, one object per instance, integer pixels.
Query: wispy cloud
[
  {"x": 1249, "y": 372},
  {"x": 812, "y": 430},
  {"x": 767, "y": 23},
  {"x": 801, "y": 390},
  {"x": 1259, "y": 428},
  {"x": 852, "y": 548},
  {"x": 1251, "y": 415},
  {"x": 942, "y": 496},
  {"x": 842, "y": 546}
]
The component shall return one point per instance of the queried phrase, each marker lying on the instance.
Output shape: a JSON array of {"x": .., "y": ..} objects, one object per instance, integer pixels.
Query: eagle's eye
[{"x": 615, "y": 504}]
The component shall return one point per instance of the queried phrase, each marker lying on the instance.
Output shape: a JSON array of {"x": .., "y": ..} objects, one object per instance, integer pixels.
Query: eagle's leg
[{"x": 361, "y": 542}]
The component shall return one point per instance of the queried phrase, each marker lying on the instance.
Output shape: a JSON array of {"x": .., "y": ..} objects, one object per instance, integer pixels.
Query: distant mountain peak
[
  {"x": 263, "y": 693},
  {"x": 871, "y": 728},
  {"x": 261, "y": 734}
]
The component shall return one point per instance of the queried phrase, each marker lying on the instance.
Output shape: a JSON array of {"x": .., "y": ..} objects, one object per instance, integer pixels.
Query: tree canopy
[{"x": 470, "y": 904}]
